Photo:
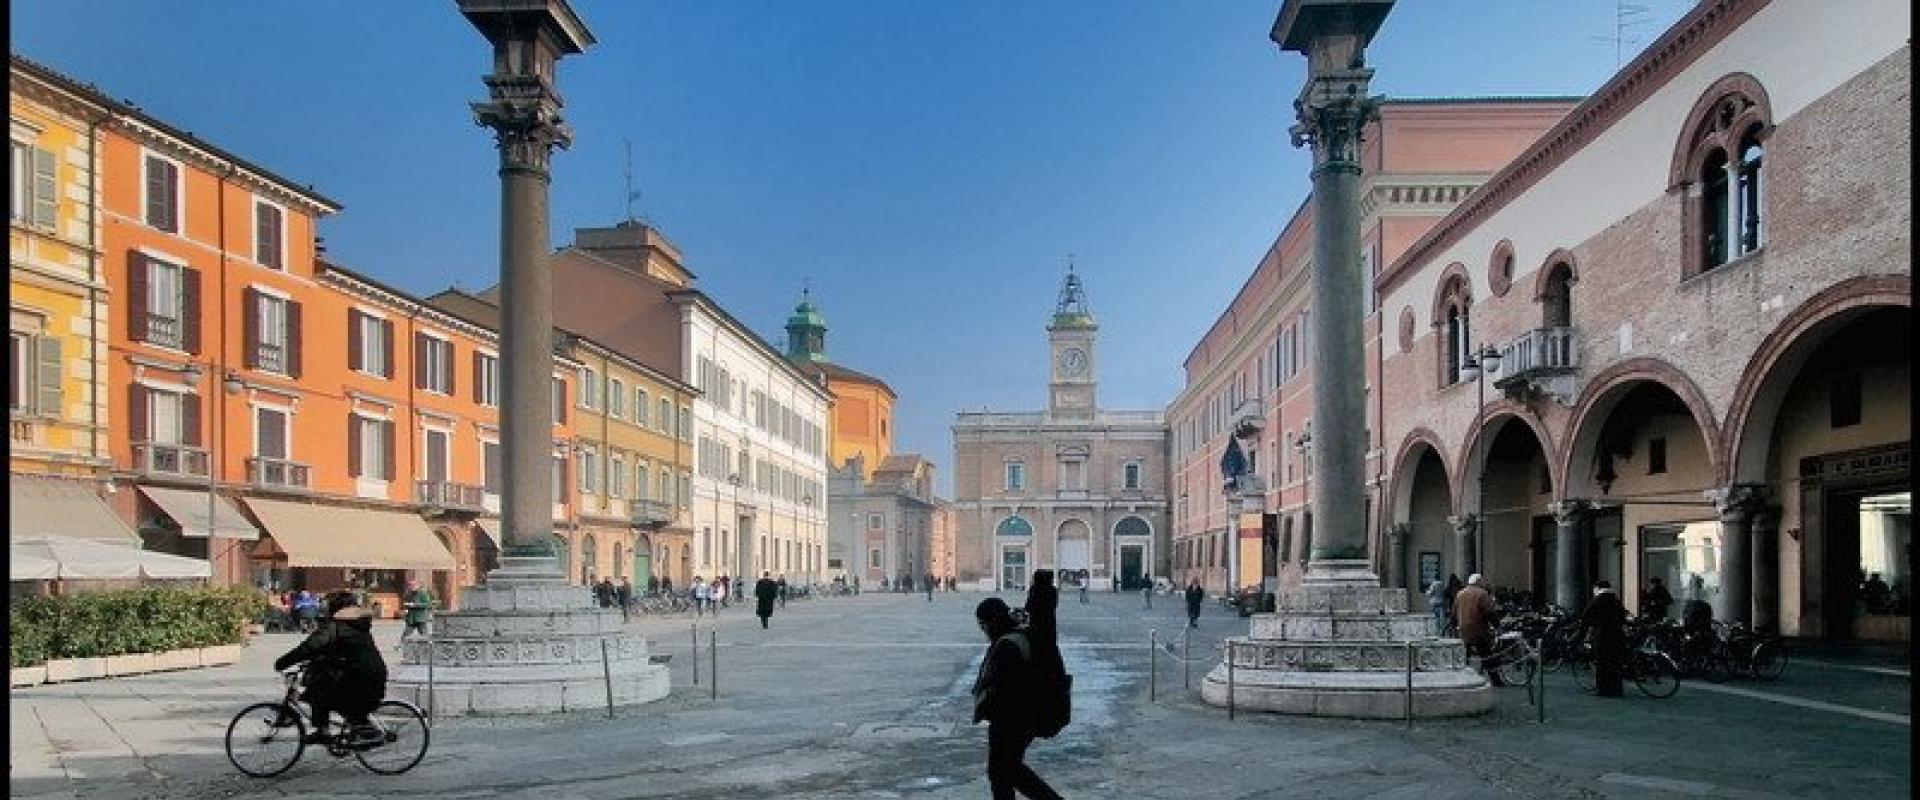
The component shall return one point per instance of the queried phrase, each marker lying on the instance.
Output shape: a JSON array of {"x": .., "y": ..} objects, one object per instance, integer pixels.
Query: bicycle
[
  {"x": 1653, "y": 672},
  {"x": 266, "y": 739},
  {"x": 1512, "y": 659},
  {"x": 1757, "y": 654}
]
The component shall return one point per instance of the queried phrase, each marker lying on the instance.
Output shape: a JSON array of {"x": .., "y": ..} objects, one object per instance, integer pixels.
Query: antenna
[
  {"x": 1626, "y": 17},
  {"x": 631, "y": 195}
]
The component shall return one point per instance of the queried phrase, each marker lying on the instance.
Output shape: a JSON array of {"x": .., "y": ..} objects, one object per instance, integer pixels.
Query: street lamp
[{"x": 1481, "y": 362}]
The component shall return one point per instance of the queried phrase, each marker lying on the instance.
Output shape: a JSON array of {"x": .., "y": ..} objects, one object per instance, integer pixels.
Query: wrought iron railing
[
  {"x": 448, "y": 494},
  {"x": 154, "y": 458},
  {"x": 278, "y": 472}
]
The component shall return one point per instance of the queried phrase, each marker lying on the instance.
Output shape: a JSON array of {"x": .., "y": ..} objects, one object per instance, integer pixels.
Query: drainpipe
[{"x": 93, "y": 293}]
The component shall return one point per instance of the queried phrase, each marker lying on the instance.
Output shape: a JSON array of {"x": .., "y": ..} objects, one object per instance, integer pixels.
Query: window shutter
[
  {"x": 293, "y": 339},
  {"x": 419, "y": 360},
  {"x": 46, "y": 190},
  {"x": 354, "y": 343},
  {"x": 477, "y": 398},
  {"x": 157, "y": 186},
  {"x": 190, "y": 310},
  {"x": 386, "y": 446},
  {"x": 266, "y": 234},
  {"x": 136, "y": 296},
  {"x": 353, "y": 445},
  {"x": 250, "y": 328},
  {"x": 137, "y": 412},
  {"x": 172, "y": 222},
  {"x": 190, "y": 419},
  {"x": 446, "y": 368},
  {"x": 46, "y": 384},
  {"x": 560, "y": 414},
  {"x": 386, "y": 342}
]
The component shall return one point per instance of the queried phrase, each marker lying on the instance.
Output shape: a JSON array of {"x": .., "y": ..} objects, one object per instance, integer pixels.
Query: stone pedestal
[
  {"x": 1340, "y": 649},
  {"x": 526, "y": 643}
]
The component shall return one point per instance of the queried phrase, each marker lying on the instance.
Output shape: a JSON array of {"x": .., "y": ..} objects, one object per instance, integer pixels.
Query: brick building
[{"x": 1688, "y": 305}]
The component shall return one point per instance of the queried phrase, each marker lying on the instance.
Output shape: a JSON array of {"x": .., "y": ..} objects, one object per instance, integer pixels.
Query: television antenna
[{"x": 1626, "y": 17}]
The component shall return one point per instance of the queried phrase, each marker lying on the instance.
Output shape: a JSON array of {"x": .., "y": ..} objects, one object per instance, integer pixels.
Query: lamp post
[
  {"x": 1485, "y": 359},
  {"x": 739, "y": 537}
]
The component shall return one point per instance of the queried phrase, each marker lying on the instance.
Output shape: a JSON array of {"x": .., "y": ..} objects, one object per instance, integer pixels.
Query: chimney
[{"x": 624, "y": 243}]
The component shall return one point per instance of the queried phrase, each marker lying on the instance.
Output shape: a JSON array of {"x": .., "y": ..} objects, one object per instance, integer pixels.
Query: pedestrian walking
[
  {"x": 418, "y": 605},
  {"x": 1606, "y": 620},
  {"x": 1437, "y": 603},
  {"x": 624, "y": 594},
  {"x": 702, "y": 596},
  {"x": 1473, "y": 611},
  {"x": 1004, "y": 695},
  {"x": 765, "y": 592},
  {"x": 929, "y": 584},
  {"x": 782, "y": 584},
  {"x": 1146, "y": 591},
  {"x": 1658, "y": 600},
  {"x": 1083, "y": 590},
  {"x": 1195, "y": 594}
]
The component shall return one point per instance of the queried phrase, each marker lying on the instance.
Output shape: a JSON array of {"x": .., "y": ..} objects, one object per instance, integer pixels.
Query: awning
[
  {"x": 42, "y": 506},
  {"x": 189, "y": 509},
  {"x": 341, "y": 536},
  {"x": 50, "y": 557}
]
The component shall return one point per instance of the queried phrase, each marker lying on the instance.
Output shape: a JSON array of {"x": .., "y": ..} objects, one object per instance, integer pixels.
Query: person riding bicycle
[{"x": 345, "y": 672}]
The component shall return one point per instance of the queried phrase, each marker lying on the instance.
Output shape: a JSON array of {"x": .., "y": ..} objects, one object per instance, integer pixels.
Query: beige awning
[
  {"x": 189, "y": 509},
  {"x": 50, "y": 557},
  {"x": 340, "y": 536},
  {"x": 42, "y": 506}
]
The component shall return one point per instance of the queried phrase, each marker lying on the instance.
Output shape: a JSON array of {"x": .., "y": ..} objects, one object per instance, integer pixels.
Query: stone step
[
  {"x": 1375, "y": 627},
  {"x": 1434, "y": 655}
]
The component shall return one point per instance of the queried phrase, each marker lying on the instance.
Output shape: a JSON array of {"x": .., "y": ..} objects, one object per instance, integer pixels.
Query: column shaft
[
  {"x": 1736, "y": 565},
  {"x": 1569, "y": 584},
  {"x": 526, "y": 361},
  {"x": 1339, "y": 375},
  {"x": 1766, "y": 569}
]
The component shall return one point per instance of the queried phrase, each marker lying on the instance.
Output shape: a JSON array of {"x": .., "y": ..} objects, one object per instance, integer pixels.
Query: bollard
[
  {"x": 1230, "y": 680},
  {"x": 1540, "y": 708},
  {"x": 430, "y": 651},
  {"x": 694, "y": 659},
  {"x": 713, "y": 664},
  {"x": 606, "y": 671},
  {"x": 1186, "y": 658},
  {"x": 1410, "y": 658},
  {"x": 1153, "y": 665}
]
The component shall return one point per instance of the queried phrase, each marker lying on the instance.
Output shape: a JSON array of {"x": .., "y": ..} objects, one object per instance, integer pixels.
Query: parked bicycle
[
  {"x": 266, "y": 739},
  {"x": 1653, "y": 672}
]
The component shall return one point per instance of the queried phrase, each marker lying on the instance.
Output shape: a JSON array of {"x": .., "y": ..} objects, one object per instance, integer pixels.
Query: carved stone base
[
  {"x": 526, "y": 642},
  {"x": 1340, "y": 647}
]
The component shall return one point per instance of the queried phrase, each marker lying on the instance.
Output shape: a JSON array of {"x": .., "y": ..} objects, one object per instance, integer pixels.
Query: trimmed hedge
[{"x": 143, "y": 620}]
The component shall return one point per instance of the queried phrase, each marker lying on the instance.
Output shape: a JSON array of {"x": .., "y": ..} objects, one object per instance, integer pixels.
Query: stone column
[
  {"x": 1465, "y": 532},
  {"x": 523, "y": 110},
  {"x": 1766, "y": 568},
  {"x": 1569, "y": 584},
  {"x": 1736, "y": 505},
  {"x": 1235, "y": 504},
  {"x": 1397, "y": 554},
  {"x": 1332, "y": 109}
]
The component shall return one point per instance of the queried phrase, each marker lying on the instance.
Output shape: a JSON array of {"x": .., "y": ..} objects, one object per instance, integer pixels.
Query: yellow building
[
  {"x": 57, "y": 312},
  {"x": 862, "y": 420}
]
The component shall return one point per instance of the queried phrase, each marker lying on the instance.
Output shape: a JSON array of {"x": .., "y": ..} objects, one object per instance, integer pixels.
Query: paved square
[{"x": 866, "y": 697}]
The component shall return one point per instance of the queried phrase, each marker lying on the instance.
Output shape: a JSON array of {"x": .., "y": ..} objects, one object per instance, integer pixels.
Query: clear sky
[{"x": 926, "y": 165}]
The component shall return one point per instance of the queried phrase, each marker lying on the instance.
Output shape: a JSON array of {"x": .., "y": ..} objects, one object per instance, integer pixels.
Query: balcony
[
  {"x": 446, "y": 494},
  {"x": 1541, "y": 362},
  {"x": 176, "y": 460},
  {"x": 163, "y": 331},
  {"x": 1249, "y": 484},
  {"x": 650, "y": 513},
  {"x": 278, "y": 473},
  {"x": 20, "y": 432},
  {"x": 1250, "y": 416}
]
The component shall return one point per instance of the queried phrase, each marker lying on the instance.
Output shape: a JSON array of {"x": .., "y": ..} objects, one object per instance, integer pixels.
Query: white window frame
[
  {"x": 20, "y": 186},
  {"x": 1014, "y": 476},
  {"x": 585, "y": 474},
  {"x": 179, "y": 192},
  {"x": 21, "y": 347},
  {"x": 617, "y": 475},
  {"x": 286, "y": 422},
  {"x": 255, "y": 225},
  {"x": 268, "y": 333},
  {"x": 437, "y": 383},
  {"x": 372, "y": 429},
  {"x": 178, "y": 433},
  {"x": 589, "y": 389},
  {"x": 446, "y": 461},
  {"x": 489, "y": 379},
  {"x": 486, "y": 474},
  {"x": 373, "y": 331},
  {"x": 616, "y": 397},
  {"x": 175, "y": 301},
  {"x": 641, "y": 413}
]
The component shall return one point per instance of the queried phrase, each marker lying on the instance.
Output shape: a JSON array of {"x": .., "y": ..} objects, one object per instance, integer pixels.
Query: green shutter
[
  {"x": 47, "y": 383},
  {"x": 46, "y": 190}
]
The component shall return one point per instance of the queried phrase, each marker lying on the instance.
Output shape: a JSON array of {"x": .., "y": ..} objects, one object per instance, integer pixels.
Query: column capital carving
[
  {"x": 1464, "y": 524},
  {"x": 524, "y": 114},
  {"x": 1397, "y": 532},
  {"x": 1567, "y": 512},
  {"x": 1332, "y": 109},
  {"x": 1737, "y": 502}
]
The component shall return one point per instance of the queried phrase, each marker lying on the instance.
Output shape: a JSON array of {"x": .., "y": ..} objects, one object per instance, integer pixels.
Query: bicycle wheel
[
  {"x": 1769, "y": 659},
  {"x": 265, "y": 739},
  {"x": 1656, "y": 675},
  {"x": 1582, "y": 669},
  {"x": 1514, "y": 670},
  {"x": 404, "y": 738}
]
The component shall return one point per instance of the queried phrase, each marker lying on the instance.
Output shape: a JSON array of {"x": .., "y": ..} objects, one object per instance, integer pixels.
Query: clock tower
[{"x": 1070, "y": 339}]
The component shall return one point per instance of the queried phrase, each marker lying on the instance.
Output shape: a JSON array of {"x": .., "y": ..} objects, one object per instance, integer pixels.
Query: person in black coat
[
  {"x": 345, "y": 672},
  {"x": 765, "y": 591},
  {"x": 1005, "y": 692},
  {"x": 1658, "y": 600},
  {"x": 1195, "y": 595},
  {"x": 1606, "y": 620},
  {"x": 782, "y": 585}
]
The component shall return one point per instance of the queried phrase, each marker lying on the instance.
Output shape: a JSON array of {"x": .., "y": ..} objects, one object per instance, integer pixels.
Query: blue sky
[{"x": 926, "y": 165}]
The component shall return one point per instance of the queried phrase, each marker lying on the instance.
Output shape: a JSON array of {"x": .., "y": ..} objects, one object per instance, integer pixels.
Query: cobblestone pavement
[{"x": 866, "y": 697}]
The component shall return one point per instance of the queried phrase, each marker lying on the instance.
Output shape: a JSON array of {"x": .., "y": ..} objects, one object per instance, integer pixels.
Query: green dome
[{"x": 806, "y": 316}]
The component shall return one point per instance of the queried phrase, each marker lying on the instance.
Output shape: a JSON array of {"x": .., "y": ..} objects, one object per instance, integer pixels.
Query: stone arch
[
  {"x": 1745, "y": 447},
  {"x": 1073, "y": 545},
  {"x": 1014, "y": 525},
  {"x": 1400, "y": 480},
  {"x": 1697, "y": 134},
  {"x": 1453, "y": 297},
  {"x": 1416, "y": 526},
  {"x": 1500, "y": 266},
  {"x": 1144, "y": 528},
  {"x": 1454, "y": 287},
  {"x": 1472, "y": 451},
  {"x": 1597, "y": 401},
  {"x": 1542, "y": 279}
]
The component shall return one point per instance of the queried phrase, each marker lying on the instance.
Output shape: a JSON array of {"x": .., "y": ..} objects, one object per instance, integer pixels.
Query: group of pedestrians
[{"x": 1469, "y": 610}]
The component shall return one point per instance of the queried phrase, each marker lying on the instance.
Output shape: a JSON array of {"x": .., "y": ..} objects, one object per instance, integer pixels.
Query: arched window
[
  {"x": 1452, "y": 323},
  {"x": 1456, "y": 343},
  {"x": 1719, "y": 167},
  {"x": 587, "y": 565},
  {"x": 1014, "y": 526},
  {"x": 1556, "y": 295},
  {"x": 564, "y": 551},
  {"x": 1132, "y": 526}
]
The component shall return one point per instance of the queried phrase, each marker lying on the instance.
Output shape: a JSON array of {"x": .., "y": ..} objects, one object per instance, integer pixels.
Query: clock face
[{"x": 1073, "y": 362}]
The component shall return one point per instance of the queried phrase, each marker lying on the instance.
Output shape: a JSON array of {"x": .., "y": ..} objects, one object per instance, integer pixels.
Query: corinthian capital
[
  {"x": 1738, "y": 501},
  {"x": 1568, "y": 512}
]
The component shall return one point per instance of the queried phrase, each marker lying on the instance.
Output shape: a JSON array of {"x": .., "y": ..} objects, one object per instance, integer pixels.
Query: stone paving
[{"x": 866, "y": 697}]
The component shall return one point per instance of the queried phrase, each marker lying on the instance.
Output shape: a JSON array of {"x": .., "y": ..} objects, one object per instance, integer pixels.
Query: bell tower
[{"x": 1071, "y": 337}]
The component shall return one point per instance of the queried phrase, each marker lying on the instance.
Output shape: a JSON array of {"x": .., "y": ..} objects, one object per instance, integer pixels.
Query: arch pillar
[
  {"x": 1737, "y": 504},
  {"x": 1465, "y": 542},
  {"x": 1569, "y": 522},
  {"x": 1397, "y": 560}
]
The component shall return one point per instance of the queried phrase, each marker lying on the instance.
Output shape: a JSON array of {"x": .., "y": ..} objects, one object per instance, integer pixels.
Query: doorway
[
  {"x": 1132, "y": 557},
  {"x": 1869, "y": 542},
  {"x": 1013, "y": 569}
]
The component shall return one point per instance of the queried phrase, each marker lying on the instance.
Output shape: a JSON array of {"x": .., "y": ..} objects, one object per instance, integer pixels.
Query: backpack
[{"x": 1052, "y": 689}]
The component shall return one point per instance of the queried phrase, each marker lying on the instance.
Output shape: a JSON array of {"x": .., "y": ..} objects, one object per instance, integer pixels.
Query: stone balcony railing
[
  {"x": 279, "y": 473},
  {"x": 1540, "y": 361},
  {"x": 1249, "y": 416},
  {"x": 20, "y": 432},
  {"x": 650, "y": 513},
  {"x": 154, "y": 458},
  {"x": 447, "y": 494}
]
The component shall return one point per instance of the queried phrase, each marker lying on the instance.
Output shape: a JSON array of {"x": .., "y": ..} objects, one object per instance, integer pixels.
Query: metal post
[
  {"x": 1186, "y": 658},
  {"x": 430, "y": 659},
  {"x": 1229, "y": 679},
  {"x": 694, "y": 658},
  {"x": 1153, "y": 665},
  {"x": 606, "y": 671},
  {"x": 713, "y": 664},
  {"x": 1540, "y": 708},
  {"x": 1410, "y": 658}
]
